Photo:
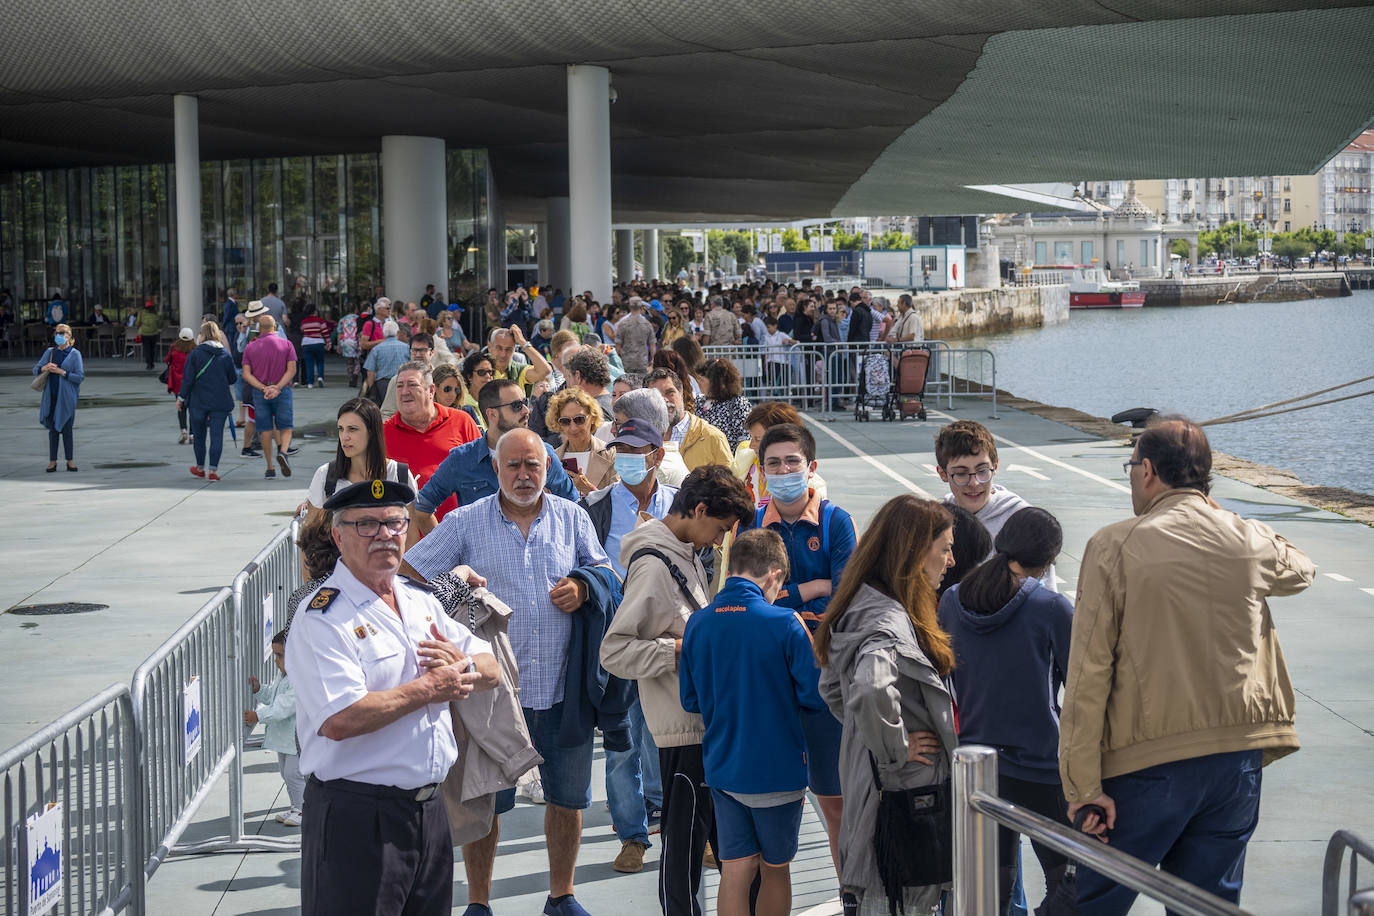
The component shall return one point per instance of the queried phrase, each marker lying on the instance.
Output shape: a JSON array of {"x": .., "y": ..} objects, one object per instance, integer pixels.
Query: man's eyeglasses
[
  {"x": 580, "y": 420},
  {"x": 420, "y": 351},
  {"x": 484, "y": 373},
  {"x": 1127, "y": 465},
  {"x": 368, "y": 527},
  {"x": 521, "y": 404},
  {"x": 963, "y": 478},
  {"x": 790, "y": 463}
]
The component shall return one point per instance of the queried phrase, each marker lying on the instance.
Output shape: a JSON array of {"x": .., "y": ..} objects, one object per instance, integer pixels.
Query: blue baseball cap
[{"x": 637, "y": 433}]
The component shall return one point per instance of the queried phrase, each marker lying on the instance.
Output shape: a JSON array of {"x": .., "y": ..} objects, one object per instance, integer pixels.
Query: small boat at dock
[{"x": 1089, "y": 287}]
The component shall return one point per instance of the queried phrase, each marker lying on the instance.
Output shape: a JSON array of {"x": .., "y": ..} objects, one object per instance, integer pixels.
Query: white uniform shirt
[{"x": 356, "y": 645}]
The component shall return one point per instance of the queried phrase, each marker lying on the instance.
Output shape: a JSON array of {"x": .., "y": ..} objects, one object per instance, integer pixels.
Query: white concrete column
[
  {"x": 624, "y": 255},
  {"x": 589, "y": 178},
  {"x": 558, "y": 244},
  {"x": 414, "y": 211},
  {"x": 651, "y": 254},
  {"x": 190, "y": 266}
]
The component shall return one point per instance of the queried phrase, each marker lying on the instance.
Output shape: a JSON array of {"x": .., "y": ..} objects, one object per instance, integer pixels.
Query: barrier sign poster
[
  {"x": 267, "y": 631},
  {"x": 191, "y": 715},
  {"x": 45, "y": 859}
]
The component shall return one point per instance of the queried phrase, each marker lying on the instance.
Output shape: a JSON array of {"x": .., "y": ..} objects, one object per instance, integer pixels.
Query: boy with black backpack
[{"x": 664, "y": 585}]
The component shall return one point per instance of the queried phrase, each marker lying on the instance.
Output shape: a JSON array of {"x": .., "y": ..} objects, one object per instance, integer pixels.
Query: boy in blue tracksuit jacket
[
  {"x": 748, "y": 668},
  {"x": 819, "y": 537}
]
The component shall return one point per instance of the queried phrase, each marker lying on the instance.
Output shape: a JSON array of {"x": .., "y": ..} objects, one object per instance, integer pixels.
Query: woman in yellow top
[{"x": 673, "y": 329}]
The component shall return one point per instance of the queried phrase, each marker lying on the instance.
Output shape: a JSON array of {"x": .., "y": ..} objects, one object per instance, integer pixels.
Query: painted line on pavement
[
  {"x": 868, "y": 458},
  {"x": 1043, "y": 457},
  {"x": 1338, "y": 577},
  {"x": 1033, "y": 472}
]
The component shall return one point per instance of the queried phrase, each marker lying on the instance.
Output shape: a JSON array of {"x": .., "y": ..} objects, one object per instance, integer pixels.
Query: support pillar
[
  {"x": 414, "y": 211},
  {"x": 624, "y": 255},
  {"x": 651, "y": 254},
  {"x": 589, "y": 178},
  {"x": 190, "y": 266},
  {"x": 558, "y": 244}
]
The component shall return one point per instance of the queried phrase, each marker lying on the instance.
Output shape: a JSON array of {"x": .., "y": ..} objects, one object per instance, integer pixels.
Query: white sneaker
[
  {"x": 291, "y": 818},
  {"x": 531, "y": 787}
]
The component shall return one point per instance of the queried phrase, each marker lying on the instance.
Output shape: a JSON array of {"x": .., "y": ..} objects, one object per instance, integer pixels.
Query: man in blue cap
[{"x": 375, "y": 662}]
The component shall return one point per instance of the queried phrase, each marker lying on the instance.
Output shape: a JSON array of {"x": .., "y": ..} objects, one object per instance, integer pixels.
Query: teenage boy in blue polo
[
  {"x": 819, "y": 537},
  {"x": 748, "y": 668}
]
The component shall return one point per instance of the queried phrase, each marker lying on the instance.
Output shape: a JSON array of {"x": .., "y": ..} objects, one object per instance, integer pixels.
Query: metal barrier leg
[{"x": 975, "y": 835}]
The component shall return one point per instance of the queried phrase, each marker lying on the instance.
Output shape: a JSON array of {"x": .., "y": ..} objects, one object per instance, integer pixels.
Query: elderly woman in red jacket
[{"x": 176, "y": 365}]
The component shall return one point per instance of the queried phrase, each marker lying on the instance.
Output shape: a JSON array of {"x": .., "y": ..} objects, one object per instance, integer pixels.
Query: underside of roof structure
[{"x": 727, "y": 109}]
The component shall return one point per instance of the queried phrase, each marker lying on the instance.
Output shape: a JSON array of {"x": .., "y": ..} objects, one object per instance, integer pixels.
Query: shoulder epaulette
[
  {"x": 323, "y": 599},
  {"x": 416, "y": 583}
]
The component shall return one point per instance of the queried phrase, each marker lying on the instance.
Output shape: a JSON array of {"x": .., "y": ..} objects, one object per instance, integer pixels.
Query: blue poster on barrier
[
  {"x": 45, "y": 859},
  {"x": 267, "y": 631},
  {"x": 191, "y": 717}
]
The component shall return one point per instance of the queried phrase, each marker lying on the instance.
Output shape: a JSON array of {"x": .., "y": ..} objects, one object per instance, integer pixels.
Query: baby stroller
[
  {"x": 874, "y": 382},
  {"x": 904, "y": 398}
]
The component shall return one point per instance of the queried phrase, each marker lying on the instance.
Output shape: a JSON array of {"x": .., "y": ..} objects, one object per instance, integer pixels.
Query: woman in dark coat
[
  {"x": 207, "y": 395},
  {"x": 64, "y": 368}
]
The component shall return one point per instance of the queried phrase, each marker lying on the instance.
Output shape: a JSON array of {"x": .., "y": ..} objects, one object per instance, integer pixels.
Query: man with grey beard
[{"x": 527, "y": 543}]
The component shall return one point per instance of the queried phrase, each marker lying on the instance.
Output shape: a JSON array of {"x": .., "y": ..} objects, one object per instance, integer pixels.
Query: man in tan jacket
[
  {"x": 664, "y": 585},
  {"x": 699, "y": 442},
  {"x": 1177, "y": 692}
]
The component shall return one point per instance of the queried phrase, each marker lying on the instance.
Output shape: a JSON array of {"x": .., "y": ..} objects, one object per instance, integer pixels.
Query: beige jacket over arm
[{"x": 1174, "y": 652}]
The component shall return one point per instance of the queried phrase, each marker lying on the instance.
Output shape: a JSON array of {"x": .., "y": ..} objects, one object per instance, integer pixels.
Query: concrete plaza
[{"x": 134, "y": 531}]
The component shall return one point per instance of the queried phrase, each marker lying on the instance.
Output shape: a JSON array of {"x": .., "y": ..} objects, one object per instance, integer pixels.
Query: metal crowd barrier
[
  {"x": 86, "y": 762},
  {"x": 260, "y": 593},
  {"x": 825, "y": 376},
  {"x": 978, "y": 811},
  {"x": 1361, "y": 902}
]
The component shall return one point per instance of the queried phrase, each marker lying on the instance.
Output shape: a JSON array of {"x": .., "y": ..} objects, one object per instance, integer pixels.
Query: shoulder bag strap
[{"x": 677, "y": 574}]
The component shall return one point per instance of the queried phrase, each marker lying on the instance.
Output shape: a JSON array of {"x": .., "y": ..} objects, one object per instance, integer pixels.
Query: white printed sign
[
  {"x": 45, "y": 859},
  {"x": 191, "y": 718},
  {"x": 267, "y": 630}
]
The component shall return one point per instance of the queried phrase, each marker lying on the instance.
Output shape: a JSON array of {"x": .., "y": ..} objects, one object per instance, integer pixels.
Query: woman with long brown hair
[{"x": 884, "y": 661}]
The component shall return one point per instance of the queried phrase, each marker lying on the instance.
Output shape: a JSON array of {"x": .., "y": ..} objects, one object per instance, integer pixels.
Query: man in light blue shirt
[
  {"x": 385, "y": 360},
  {"x": 526, "y": 542},
  {"x": 634, "y": 786}
]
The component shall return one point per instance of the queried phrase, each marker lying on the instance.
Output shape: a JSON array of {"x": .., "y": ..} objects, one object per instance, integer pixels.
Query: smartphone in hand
[{"x": 570, "y": 465}]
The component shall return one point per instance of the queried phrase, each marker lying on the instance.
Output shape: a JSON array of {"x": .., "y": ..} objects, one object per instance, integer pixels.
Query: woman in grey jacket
[{"x": 884, "y": 659}]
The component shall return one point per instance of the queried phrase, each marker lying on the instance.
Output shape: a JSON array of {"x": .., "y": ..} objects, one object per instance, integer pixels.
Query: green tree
[
  {"x": 792, "y": 241},
  {"x": 1291, "y": 245},
  {"x": 845, "y": 241},
  {"x": 1179, "y": 247},
  {"x": 678, "y": 253},
  {"x": 739, "y": 245},
  {"x": 893, "y": 241}
]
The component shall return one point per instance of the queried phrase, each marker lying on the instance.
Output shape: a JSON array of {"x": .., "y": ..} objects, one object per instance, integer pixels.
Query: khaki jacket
[
  {"x": 1174, "y": 653},
  {"x": 722, "y": 328},
  {"x": 704, "y": 444},
  {"x": 641, "y": 641},
  {"x": 600, "y": 469}
]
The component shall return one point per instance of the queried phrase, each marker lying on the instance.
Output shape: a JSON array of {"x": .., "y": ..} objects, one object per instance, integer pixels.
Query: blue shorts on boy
[
  {"x": 748, "y": 667},
  {"x": 744, "y": 830}
]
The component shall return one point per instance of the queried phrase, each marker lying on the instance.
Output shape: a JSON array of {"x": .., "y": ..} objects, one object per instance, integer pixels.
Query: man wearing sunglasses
[
  {"x": 375, "y": 662},
  {"x": 467, "y": 473}
]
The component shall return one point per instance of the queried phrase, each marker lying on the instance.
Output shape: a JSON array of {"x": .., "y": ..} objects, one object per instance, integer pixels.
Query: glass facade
[{"x": 312, "y": 224}]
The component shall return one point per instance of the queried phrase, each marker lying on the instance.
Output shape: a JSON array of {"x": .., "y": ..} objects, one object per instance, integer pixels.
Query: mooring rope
[{"x": 1254, "y": 412}]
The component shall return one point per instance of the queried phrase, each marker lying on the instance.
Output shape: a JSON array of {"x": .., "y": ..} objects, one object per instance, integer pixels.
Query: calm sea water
[{"x": 1208, "y": 361}]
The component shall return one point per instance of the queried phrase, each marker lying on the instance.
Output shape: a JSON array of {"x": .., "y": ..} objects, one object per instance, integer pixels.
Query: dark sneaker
[
  {"x": 569, "y": 907},
  {"x": 293, "y": 451},
  {"x": 270, "y": 474},
  {"x": 250, "y": 453},
  {"x": 285, "y": 465}
]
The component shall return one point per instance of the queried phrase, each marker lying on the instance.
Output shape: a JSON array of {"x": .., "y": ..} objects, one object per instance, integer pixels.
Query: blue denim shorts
[
  {"x": 743, "y": 831},
  {"x": 273, "y": 414},
  {"x": 822, "y": 732},
  {"x": 566, "y": 771}
]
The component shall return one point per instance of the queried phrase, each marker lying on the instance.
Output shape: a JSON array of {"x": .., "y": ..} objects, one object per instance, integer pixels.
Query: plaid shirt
[{"x": 520, "y": 571}]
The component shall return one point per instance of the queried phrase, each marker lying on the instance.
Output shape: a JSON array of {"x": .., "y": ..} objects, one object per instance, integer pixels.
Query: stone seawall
[
  {"x": 970, "y": 312},
  {"x": 1274, "y": 287}
]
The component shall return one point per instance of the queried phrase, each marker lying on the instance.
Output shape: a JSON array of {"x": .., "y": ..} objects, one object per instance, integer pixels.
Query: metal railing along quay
[{"x": 978, "y": 811}]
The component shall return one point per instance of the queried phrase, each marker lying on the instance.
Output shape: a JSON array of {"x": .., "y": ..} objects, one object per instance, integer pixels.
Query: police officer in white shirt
[{"x": 375, "y": 661}]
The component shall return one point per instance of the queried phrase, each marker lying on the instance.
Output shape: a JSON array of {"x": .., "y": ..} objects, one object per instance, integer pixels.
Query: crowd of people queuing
[{"x": 581, "y": 525}]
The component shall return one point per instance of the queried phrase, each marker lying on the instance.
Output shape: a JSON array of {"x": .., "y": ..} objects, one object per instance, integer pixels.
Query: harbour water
[{"x": 1208, "y": 361}]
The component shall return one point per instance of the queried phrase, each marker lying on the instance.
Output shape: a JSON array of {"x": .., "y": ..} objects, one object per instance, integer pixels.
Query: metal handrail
[
  {"x": 977, "y": 810},
  {"x": 1341, "y": 841}
]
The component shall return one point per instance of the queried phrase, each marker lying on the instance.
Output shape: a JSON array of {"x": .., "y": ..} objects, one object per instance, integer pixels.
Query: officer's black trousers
[{"x": 365, "y": 854}]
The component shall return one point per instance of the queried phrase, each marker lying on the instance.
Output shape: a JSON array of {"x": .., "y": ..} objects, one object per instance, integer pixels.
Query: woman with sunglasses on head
[
  {"x": 478, "y": 369},
  {"x": 577, "y": 417}
]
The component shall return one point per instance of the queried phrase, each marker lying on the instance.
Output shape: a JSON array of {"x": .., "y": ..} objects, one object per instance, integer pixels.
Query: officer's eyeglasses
[
  {"x": 521, "y": 404},
  {"x": 368, "y": 527},
  {"x": 790, "y": 463},
  {"x": 580, "y": 420},
  {"x": 964, "y": 478}
]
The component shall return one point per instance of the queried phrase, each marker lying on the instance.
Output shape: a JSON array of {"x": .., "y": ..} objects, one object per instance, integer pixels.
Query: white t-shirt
[
  {"x": 580, "y": 458},
  {"x": 317, "y": 496}
]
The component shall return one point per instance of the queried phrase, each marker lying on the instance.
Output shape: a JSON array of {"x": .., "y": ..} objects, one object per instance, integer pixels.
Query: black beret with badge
[{"x": 370, "y": 494}]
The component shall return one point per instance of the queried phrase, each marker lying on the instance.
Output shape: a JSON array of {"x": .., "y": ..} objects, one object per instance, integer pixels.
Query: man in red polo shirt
[{"x": 421, "y": 433}]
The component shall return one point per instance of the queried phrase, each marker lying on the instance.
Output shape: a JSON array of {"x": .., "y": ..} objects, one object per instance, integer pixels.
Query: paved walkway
[{"x": 135, "y": 531}]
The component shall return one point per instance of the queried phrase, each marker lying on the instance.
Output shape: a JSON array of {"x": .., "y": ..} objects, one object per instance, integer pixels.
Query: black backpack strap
[
  {"x": 402, "y": 472},
  {"x": 331, "y": 480},
  {"x": 678, "y": 577}
]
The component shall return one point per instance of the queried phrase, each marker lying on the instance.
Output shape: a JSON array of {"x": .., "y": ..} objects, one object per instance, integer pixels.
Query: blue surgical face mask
[
  {"x": 60, "y": 340},
  {"x": 632, "y": 469},
  {"x": 788, "y": 487}
]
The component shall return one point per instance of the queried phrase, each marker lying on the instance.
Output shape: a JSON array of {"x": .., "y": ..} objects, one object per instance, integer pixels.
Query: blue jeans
[
  {"x": 632, "y": 777},
  {"x": 314, "y": 362},
  {"x": 1192, "y": 818},
  {"x": 211, "y": 423}
]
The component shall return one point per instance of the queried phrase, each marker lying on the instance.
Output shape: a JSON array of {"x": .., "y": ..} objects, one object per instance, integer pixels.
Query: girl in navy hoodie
[{"x": 1011, "y": 647}]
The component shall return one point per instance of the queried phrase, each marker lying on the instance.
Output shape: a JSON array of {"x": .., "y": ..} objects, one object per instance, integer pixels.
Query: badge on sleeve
[{"x": 323, "y": 599}]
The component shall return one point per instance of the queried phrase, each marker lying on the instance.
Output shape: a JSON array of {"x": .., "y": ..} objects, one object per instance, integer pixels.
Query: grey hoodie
[
  {"x": 880, "y": 685},
  {"x": 1002, "y": 504}
]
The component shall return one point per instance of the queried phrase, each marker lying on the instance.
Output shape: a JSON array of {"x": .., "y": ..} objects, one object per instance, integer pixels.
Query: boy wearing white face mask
[{"x": 819, "y": 537}]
